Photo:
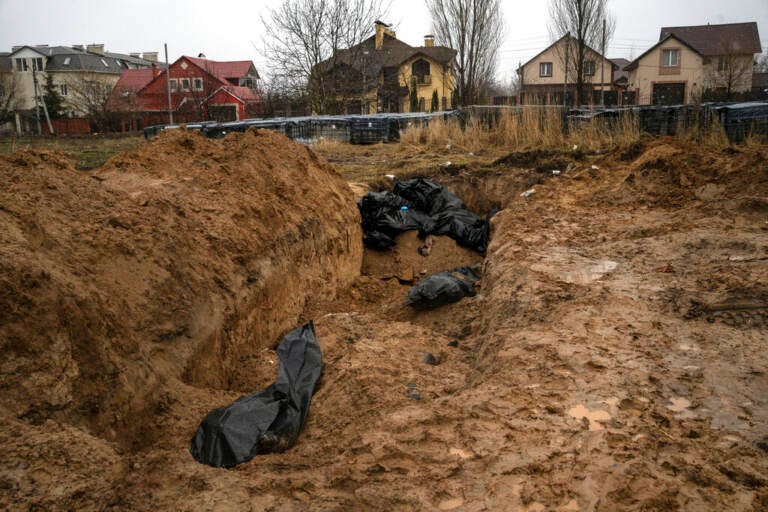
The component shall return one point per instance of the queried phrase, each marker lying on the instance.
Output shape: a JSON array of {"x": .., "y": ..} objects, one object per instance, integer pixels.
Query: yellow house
[
  {"x": 543, "y": 79},
  {"x": 384, "y": 74},
  {"x": 692, "y": 63}
]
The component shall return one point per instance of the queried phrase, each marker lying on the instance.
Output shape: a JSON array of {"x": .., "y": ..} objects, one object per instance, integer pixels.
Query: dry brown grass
[{"x": 526, "y": 128}]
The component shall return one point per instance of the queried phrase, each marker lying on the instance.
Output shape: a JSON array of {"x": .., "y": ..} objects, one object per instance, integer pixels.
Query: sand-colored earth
[{"x": 613, "y": 359}]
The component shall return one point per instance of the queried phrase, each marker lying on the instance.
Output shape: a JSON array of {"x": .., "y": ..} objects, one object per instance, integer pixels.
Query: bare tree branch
[
  {"x": 583, "y": 21},
  {"x": 302, "y": 34},
  {"x": 475, "y": 29}
]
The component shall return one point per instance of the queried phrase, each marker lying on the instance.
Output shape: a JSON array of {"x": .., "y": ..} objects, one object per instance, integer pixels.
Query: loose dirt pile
[
  {"x": 613, "y": 358},
  {"x": 176, "y": 265}
]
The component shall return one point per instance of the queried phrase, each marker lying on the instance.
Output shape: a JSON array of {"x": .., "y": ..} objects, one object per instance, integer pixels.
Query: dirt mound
[
  {"x": 178, "y": 262},
  {"x": 670, "y": 172}
]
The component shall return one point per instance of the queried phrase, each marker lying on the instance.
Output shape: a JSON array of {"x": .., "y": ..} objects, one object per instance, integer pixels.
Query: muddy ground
[{"x": 613, "y": 359}]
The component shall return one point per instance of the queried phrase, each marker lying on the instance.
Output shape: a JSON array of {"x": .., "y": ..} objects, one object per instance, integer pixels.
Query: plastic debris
[
  {"x": 269, "y": 420},
  {"x": 528, "y": 192},
  {"x": 444, "y": 288},
  {"x": 420, "y": 204}
]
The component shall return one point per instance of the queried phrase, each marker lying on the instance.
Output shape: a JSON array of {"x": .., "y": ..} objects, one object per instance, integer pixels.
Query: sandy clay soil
[{"x": 614, "y": 357}]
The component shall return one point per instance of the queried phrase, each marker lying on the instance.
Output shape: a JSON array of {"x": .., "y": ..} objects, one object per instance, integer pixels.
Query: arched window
[{"x": 420, "y": 69}]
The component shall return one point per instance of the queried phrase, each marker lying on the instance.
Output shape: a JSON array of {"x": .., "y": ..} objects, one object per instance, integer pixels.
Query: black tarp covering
[
  {"x": 269, "y": 420},
  {"x": 423, "y": 205},
  {"x": 444, "y": 288}
]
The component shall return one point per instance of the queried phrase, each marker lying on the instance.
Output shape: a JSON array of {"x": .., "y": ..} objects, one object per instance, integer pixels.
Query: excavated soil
[{"x": 613, "y": 359}]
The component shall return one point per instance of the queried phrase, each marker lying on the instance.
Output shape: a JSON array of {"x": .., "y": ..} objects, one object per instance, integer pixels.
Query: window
[
  {"x": 589, "y": 68},
  {"x": 37, "y": 64},
  {"x": 198, "y": 84},
  {"x": 21, "y": 65},
  {"x": 723, "y": 64},
  {"x": 185, "y": 84},
  {"x": 67, "y": 60},
  {"x": 63, "y": 89},
  {"x": 545, "y": 69},
  {"x": 670, "y": 58},
  {"x": 105, "y": 63},
  {"x": 174, "y": 85},
  {"x": 421, "y": 70}
]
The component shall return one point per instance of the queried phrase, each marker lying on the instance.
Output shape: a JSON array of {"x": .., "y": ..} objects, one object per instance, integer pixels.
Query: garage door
[
  {"x": 222, "y": 113},
  {"x": 669, "y": 94}
]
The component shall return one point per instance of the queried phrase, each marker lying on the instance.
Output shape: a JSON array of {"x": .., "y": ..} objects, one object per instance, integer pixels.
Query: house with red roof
[{"x": 200, "y": 89}]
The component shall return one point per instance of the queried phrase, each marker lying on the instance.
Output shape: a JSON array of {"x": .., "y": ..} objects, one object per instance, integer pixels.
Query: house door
[{"x": 669, "y": 94}]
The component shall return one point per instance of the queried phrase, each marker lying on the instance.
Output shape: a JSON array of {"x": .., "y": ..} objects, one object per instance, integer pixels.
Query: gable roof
[
  {"x": 91, "y": 62},
  {"x": 136, "y": 79},
  {"x": 542, "y": 52},
  {"x": 620, "y": 74},
  {"x": 712, "y": 40},
  {"x": 393, "y": 53},
  {"x": 226, "y": 69},
  {"x": 632, "y": 65}
]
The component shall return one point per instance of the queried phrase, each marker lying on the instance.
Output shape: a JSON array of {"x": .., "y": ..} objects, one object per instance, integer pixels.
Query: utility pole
[
  {"x": 41, "y": 101},
  {"x": 602, "y": 69},
  {"x": 565, "y": 81},
  {"x": 37, "y": 105},
  {"x": 168, "y": 84}
]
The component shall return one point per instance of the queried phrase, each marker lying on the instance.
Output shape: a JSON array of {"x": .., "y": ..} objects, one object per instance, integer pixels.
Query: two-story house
[
  {"x": 200, "y": 89},
  {"x": 384, "y": 74},
  {"x": 545, "y": 79},
  {"x": 692, "y": 63},
  {"x": 82, "y": 75}
]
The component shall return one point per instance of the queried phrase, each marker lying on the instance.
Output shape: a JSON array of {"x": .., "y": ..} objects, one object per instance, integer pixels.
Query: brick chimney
[
  {"x": 155, "y": 69},
  {"x": 429, "y": 41},
  {"x": 150, "y": 56},
  {"x": 382, "y": 29},
  {"x": 96, "y": 48}
]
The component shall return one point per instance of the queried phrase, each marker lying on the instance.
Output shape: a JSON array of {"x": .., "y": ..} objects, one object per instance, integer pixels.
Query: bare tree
[
  {"x": 87, "y": 96},
  {"x": 475, "y": 29},
  {"x": 583, "y": 21},
  {"x": 9, "y": 100},
  {"x": 728, "y": 73},
  {"x": 304, "y": 40},
  {"x": 761, "y": 62}
]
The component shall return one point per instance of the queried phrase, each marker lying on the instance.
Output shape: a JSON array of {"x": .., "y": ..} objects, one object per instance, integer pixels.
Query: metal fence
[
  {"x": 739, "y": 120},
  {"x": 355, "y": 129}
]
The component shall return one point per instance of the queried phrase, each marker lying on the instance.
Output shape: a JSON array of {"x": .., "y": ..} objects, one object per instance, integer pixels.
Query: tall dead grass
[{"x": 524, "y": 128}]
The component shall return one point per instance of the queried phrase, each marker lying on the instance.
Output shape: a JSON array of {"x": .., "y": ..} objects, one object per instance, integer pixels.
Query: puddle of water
[
  {"x": 587, "y": 274},
  {"x": 580, "y": 411}
]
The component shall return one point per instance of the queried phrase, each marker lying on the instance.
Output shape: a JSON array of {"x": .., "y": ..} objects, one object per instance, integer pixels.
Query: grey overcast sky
[{"x": 231, "y": 29}]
